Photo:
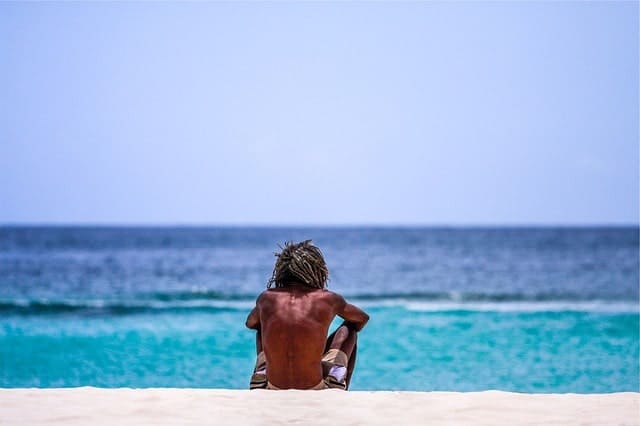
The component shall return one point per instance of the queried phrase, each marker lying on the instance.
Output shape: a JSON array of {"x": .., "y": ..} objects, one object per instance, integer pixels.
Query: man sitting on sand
[{"x": 292, "y": 321}]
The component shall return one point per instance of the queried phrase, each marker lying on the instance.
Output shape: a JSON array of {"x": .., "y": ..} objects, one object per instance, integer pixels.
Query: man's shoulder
[
  {"x": 333, "y": 294},
  {"x": 274, "y": 293},
  {"x": 334, "y": 298},
  {"x": 320, "y": 293},
  {"x": 265, "y": 294}
]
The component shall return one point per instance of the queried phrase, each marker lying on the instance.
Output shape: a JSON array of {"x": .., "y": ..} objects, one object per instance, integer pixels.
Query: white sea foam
[
  {"x": 529, "y": 306},
  {"x": 410, "y": 304}
]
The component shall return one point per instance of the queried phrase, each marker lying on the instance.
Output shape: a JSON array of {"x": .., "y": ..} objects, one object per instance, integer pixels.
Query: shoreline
[{"x": 84, "y": 405}]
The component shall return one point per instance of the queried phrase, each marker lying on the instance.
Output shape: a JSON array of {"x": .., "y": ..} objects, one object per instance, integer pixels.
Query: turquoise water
[
  {"x": 400, "y": 349},
  {"x": 519, "y": 310}
]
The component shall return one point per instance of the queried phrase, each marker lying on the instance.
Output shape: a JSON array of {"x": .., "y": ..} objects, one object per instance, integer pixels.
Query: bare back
[{"x": 294, "y": 325}]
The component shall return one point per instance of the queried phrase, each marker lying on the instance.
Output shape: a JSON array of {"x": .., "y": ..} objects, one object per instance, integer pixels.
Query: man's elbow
[
  {"x": 364, "y": 322},
  {"x": 359, "y": 325}
]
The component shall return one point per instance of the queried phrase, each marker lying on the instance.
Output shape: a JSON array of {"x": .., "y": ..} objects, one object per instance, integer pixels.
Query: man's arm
[
  {"x": 354, "y": 316},
  {"x": 253, "y": 320}
]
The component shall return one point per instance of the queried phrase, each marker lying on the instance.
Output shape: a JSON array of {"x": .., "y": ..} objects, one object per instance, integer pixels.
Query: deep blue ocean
[{"x": 457, "y": 309}]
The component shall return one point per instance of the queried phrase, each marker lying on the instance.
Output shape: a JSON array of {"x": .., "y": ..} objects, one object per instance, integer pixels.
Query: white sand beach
[{"x": 82, "y": 406}]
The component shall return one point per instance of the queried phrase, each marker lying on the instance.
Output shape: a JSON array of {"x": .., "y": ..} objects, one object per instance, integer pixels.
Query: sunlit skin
[{"x": 292, "y": 324}]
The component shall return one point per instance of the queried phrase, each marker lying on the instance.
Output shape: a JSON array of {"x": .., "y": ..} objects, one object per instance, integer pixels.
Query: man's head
[{"x": 299, "y": 263}]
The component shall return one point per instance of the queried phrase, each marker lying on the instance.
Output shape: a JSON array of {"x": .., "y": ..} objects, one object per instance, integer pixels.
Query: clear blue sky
[{"x": 319, "y": 113}]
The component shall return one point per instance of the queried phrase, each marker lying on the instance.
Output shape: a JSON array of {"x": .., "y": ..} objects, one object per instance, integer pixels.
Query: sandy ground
[{"x": 84, "y": 406}]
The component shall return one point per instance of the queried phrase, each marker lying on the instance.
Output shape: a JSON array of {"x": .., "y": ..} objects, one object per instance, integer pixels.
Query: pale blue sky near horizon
[{"x": 403, "y": 113}]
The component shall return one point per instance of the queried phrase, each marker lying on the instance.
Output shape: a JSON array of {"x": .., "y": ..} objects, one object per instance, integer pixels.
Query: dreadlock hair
[{"x": 301, "y": 263}]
